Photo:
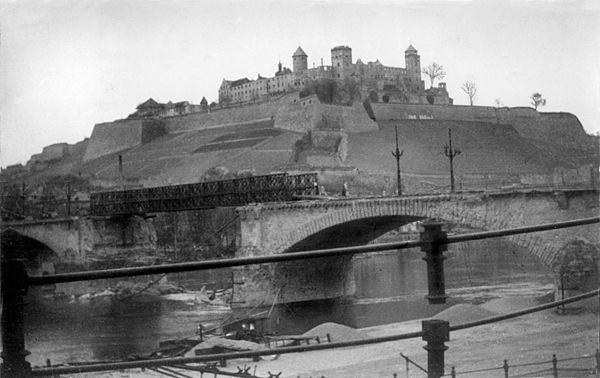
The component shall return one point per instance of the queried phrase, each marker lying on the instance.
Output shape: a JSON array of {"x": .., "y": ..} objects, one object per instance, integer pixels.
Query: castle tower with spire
[
  {"x": 300, "y": 60},
  {"x": 413, "y": 66}
]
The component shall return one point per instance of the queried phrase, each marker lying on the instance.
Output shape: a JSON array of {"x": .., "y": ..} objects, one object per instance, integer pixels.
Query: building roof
[
  {"x": 299, "y": 52},
  {"x": 235, "y": 83},
  {"x": 410, "y": 48},
  {"x": 149, "y": 103}
]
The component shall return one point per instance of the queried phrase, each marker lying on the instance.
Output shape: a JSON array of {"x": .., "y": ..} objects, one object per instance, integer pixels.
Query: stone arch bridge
[
  {"x": 78, "y": 243},
  {"x": 305, "y": 225}
]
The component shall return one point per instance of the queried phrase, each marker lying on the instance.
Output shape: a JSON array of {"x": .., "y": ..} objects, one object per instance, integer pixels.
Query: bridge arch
[
  {"x": 389, "y": 213},
  {"x": 38, "y": 257}
]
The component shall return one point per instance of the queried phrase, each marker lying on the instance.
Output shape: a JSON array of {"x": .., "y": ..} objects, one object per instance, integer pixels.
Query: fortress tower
[
  {"x": 341, "y": 61},
  {"x": 413, "y": 66},
  {"x": 300, "y": 60}
]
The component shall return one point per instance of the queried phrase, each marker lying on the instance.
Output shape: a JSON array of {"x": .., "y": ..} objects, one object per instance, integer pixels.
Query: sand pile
[
  {"x": 337, "y": 332},
  {"x": 464, "y": 313},
  {"x": 506, "y": 305}
]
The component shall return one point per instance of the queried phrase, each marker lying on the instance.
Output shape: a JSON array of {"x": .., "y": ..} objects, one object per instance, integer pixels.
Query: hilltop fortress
[
  {"x": 279, "y": 124},
  {"x": 390, "y": 84}
]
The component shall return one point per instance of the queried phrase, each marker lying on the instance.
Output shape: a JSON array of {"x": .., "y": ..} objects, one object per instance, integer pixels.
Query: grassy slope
[{"x": 486, "y": 149}]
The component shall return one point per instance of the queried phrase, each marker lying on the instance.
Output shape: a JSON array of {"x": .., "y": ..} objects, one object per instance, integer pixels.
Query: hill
[{"x": 499, "y": 146}]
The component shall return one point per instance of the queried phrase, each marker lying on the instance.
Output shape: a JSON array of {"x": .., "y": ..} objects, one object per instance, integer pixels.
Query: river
[{"x": 390, "y": 288}]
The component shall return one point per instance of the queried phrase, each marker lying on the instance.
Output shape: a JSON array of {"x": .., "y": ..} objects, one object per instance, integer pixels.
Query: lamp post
[
  {"x": 451, "y": 153},
  {"x": 397, "y": 154}
]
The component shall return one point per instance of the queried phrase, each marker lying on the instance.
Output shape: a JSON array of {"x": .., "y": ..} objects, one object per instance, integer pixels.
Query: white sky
[{"x": 66, "y": 65}]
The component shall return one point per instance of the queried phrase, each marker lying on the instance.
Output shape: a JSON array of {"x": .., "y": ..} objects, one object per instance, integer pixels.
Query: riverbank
[{"x": 531, "y": 338}]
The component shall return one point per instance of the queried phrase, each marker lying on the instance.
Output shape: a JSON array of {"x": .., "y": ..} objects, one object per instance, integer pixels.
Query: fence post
[
  {"x": 435, "y": 332},
  {"x": 453, "y": 373},
  {"x": 505, "y": 367},
  {"x": 554, "y": 366},
  {"x": 431, "y": 235},
  {"x": 14, "y": 288}
]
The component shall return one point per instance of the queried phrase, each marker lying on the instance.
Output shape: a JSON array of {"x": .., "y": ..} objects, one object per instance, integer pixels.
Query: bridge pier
[
  {"x": 294, "y": 281},
  {"x": 577, "y": 272}
]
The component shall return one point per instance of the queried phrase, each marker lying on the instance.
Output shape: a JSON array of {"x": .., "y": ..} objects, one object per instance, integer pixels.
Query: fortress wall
[
  {"x": 389, "y": 112},
  {"x": 562, "y": 128},
  {"x": 353, "y": 119},
  {"x": 111, "y": 137},
  {"x": 245, "y": 113},
  {"x": 289, "y": 113},
  {"x": 296, "y": 117}
]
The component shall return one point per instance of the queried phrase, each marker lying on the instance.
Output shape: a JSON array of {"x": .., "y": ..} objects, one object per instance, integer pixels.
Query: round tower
[
  {"x": 300, "y": 60},
  {"x": 413, "y": 65},
  {"x": 341, "y": 60}
]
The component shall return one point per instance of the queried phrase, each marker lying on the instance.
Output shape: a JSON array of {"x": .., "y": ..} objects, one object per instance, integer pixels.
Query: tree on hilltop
[
  {"x": 470, "y": 88},
  {"x": 434, "y": 71},
  {"x": 537, "y": 100}
]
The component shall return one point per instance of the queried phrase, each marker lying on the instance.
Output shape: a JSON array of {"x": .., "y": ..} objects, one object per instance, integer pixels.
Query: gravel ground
[{"x": 530, "y": 338}]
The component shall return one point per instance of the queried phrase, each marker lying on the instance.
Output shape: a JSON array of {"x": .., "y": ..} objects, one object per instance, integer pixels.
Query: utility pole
[
  {"x": 451, "y": 153},
  {"x": 121, "y": 176},
  {"x": 397, "y": 154}
]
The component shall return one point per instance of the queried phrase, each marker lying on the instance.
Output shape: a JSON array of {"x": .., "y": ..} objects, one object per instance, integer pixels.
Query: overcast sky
[{"x": 66, "y": 65}]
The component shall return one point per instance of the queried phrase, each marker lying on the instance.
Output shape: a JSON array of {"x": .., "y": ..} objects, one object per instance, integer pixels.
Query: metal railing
[
  {"x": 433, "y": 241},
  {"x": 554, "y": 370}
]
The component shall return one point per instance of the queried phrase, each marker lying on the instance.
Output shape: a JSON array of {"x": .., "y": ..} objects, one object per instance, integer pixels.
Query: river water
[{"x": 390, "y": 288}]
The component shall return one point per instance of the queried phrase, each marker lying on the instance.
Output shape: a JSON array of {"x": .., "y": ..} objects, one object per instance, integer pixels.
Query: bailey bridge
[{"x": 274, "y": 228}]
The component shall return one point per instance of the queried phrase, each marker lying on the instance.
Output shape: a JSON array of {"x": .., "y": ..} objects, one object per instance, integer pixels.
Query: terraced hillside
[
  {"x": 516, "y": 145},
  {"x": 184, "y": 157}
]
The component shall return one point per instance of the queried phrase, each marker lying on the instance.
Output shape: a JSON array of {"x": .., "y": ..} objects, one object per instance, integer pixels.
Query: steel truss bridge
[{"x": 204, "y": 195}]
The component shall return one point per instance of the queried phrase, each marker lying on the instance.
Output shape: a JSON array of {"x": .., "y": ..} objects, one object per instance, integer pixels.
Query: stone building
[
  {"x": 153, "y": 109},
  {"x": 379, "y": 82}
]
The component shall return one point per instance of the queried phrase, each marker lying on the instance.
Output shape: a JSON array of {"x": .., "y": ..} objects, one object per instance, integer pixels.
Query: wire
[{"x": 144, "y": 289}]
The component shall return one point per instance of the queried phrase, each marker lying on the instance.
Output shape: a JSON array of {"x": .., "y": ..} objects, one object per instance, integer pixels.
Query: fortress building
[{"x": 379, "y": 82}]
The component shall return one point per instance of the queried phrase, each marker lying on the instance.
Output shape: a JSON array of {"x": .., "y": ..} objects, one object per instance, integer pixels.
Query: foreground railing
[{"x": 433, "y": 241}]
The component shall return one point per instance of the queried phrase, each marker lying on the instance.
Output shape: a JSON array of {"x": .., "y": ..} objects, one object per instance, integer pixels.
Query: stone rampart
[
  {"x": 556, "y": 128},
  {"x": 232, "y": 115},
  {"x": 353, "y": 119},
  {"x": 289, "y": 112},
  {"x": 111, "y": 137},
  {"x": 390, "y": 112}
]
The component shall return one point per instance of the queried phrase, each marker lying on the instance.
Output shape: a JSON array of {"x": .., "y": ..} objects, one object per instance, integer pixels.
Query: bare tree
[
  {"x": 434, "y": 71},
  {"x": 537, "y": 100},
  {"x": 470, "y": 88}
]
